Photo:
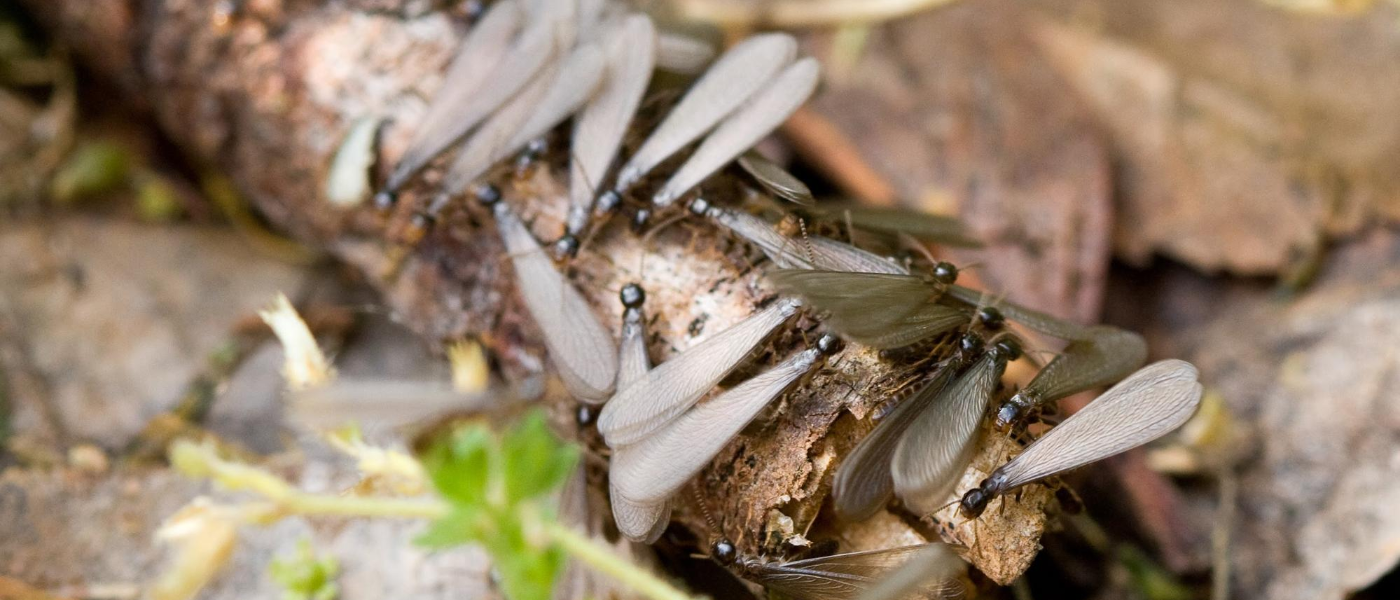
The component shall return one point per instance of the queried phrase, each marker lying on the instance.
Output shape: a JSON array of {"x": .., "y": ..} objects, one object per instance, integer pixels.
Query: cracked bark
[{"x": 265, "y": 89}]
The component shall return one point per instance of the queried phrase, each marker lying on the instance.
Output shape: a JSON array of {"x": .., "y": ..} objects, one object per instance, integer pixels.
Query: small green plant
[
  {"x": 304, "y": 576},
  {"x": 495, "y": 489}
]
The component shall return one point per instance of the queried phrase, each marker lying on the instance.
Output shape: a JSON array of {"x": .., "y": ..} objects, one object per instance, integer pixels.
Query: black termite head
[
  {"x": 975, "y": 501},
  {"x": 1013, "y": 411},
  {"x": 829, "y": 344},
  {"x": 641, "y": 219},
  {"x": 587, "y": 415},
  {"x": 385, "y": 199},
  {"x": 724, "y": 552},
  {"x": 487, "y": 194},
  {"x": 473, "y": 9},
  {"x": 632, "y": 296},
  {"x": 945, "y": 273},
  {"x": 607, "y": 203},
  {"x": 530, "y": 156},
  {"x": 699, "y": 206},
  {"x": 566, "y": 247},
  {"x": 991, "y": 318},
  {"x": 1007, "y": 348},
  {"x": 970, "y": 344}
]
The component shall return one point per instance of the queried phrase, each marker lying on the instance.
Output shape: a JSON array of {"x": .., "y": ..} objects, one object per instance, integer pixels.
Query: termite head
[
  {"x": 487, "y": 195},
  {"x": 473, "y": 9},
  {"x": 829, "y": 344},
  {"x": 699, "y": 206},
  {"x": 991, "y": 318},
  {"x": 385, "y": 200},
  {"x": 974, "y": 502},
  {"x": 632, "y": 296},
  {"x": 970, "y": 344},
  {"x": 724, "y": 552},
  {"x": 566, "y": 247},
  {"x": 1013, "y": 411},
  {"x": 1007, "y": 348},
  {"x": 587, "y": 415},
  {"x": 641, "y": 219},
  {"x": 607, "y": 203},
  {"x": 945, "y": 273}
]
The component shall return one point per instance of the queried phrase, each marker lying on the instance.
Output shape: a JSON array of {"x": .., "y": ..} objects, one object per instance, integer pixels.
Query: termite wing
[
  {"x": 814, "y": 252},
  {"x": 1031, "y": 318},
  {"x": 882, "y": 310},
  {"x": 680, "y": 53},
  {"x": 748, "y": 124},
  {"x": 742, "y": 71},
  {"x": 630, "y": 50},
  {"x": 672, "y": 388},
  {"x": 863, "y": 484},
  {"x": 580, "y": 346},
  {"x": 931, "y": 457},
  {"x": 655, "y": 468},
  {"x": 488, "y": 71},
  {"x": 1146, "y": 405},
  {"x": 931, "y": 572},
  {"x": 898, "y": 221},
  {"x": 637, "y": 521},
  {"x": 776, "y": 179},
  {"x": 850, "y": 575},
  {"x": 1106, "y": 357},
  {"x": 556, "y": 90}
]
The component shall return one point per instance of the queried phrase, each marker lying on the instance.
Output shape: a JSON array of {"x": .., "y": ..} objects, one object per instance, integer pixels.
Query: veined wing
[
  {"x": 653, "y": 469},
  {"x": 576, "y": 82},
  {"x": 863, "y": 484},
  {"x": 581, "y": 348},
  {"x": 931, "y": 457},
  {"x": 748, "y": 124},
  {"x": 731, "y": 80},
  {"x": 486, "y": 44},
  {"x": 598, "y": 131},
  {"x": 1148, "y": 404},
  {"x": 673, "y": 387}
]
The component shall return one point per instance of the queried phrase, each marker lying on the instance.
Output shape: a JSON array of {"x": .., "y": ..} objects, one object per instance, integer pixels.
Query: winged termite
[
  {"x": 598, "y": 131},
  {"x": 813, "y": 252},
  {"x": 920, "y": 225},
  {"x": 654, "y": 468},
  {"x": 863, "y": 484},
  {"x": 748, "y": 124},
  {"x": 672, "y": 388},
  {"x": 738, "y": 74},
  {"x": 556, "y": 90},
  {"x": 466, "y": 99},
  {"x": 937, "y": 566},
  {"x": 1031, "y": 318},
  {"x": 882, "y": 310},
  {"x": 930, "y": 458},
  {"x": 577, "y": 81},
  {"x": 487, "y": 144},
  {"x": 637, "y": 521},
  {"x": 1107, "y": 356},
  {"x": 1146, "y": 405},
  {"x": 391, "y": 404},
  {"x": 843, "y": 576},
  {"x": 581, "y": 348},
  {"x": 775, "y": 178}
]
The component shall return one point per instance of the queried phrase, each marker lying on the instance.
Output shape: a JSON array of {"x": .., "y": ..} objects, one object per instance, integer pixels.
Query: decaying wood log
[{"x": 264, "y": 90}]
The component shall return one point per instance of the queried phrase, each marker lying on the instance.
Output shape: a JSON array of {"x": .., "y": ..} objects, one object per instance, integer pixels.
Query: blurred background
[{"x": 1221, "y": 175}]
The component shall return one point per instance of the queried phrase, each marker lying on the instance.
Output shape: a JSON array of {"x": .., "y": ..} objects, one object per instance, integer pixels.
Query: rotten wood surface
[{"x": 264, "y": 91}]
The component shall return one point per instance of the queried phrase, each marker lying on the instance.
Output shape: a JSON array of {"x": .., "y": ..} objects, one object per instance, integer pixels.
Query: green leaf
[
  {"x": 304, "y": 576},
  {"x": 461, "y": 526},
  {"x": 536, "y": 462},
  {"x": 526, "y": 571},
  {"x": 460, "y": 466},
  {"x": 93, "y": 168}
]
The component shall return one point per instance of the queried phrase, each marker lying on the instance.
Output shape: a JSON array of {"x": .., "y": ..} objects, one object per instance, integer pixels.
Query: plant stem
[{"x": 605, "y": 561}]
